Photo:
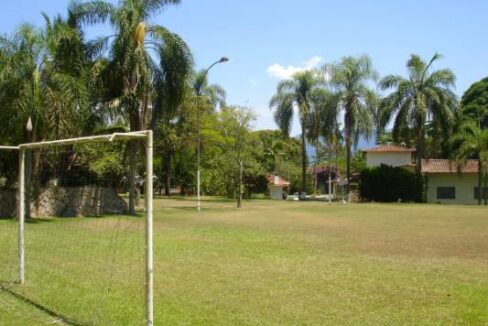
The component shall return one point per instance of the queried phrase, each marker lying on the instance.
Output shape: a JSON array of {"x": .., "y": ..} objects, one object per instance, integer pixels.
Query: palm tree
[
  {"x": 44, "y": 84},
  {"x": 350, "y": 78},
  {"x": 322, "y": 120},
  {"x": 214, "y": 94},
  {"x": 291, "y": 94},
  {"x": 423, "y": 96},
  {"x": 141, "y": 55},
  {"x": 472, "y": 142}
]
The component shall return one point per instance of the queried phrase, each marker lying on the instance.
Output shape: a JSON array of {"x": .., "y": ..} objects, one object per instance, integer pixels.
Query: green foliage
[
  {"x": 358, "y": 162},
  {"x": 304, "y": 92},
  {"x": 474, "y": 103},
  {"x": 423, "y": 93},
  {"x": 390, "y": 184},
  {"x": 350, "y": 77},
  {"x": 471, "y": 142}
]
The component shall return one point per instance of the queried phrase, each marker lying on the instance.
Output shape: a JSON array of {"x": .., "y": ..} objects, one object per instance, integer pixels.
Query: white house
[
  {"x": 277, "y": 187},
  {"x": 451, "y": 183},
  {"x": 393, "y": 155},
  {"x": 446, "y": 181}
]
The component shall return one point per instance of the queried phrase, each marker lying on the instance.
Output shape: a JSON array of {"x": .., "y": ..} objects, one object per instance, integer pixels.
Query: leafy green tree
[
  {"x": 424, "y": 94},
  {"x": 39, "y": 89},
  {"x": 356, "y": 99},
  {"x": 471, "y": 142},
  {"x": 291, "y": 94},
  {"x": 474, "y": 103},
  {"x": 234, "y": 127},
  {"x": 141, "y": 55}
]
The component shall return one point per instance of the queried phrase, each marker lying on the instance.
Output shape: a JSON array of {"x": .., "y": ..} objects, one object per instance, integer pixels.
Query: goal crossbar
[
  {"x": 70, "y": 141},
  {"x": 148, "y": 136}
]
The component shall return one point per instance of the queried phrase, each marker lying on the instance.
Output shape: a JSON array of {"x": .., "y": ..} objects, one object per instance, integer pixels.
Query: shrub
[{"x": 390, "y": 184}]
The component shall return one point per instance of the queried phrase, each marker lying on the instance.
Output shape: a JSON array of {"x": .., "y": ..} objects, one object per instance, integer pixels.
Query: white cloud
[{"x": 282, "y": 72}]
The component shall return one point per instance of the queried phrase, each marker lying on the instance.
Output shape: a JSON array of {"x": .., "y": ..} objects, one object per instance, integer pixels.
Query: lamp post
[{"x": 199, "y": 93}]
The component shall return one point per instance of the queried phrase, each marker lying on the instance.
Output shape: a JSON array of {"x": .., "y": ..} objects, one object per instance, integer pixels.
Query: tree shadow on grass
[
  {"x": 59, "y": 317},
  {"x": 38, "y": 220}
]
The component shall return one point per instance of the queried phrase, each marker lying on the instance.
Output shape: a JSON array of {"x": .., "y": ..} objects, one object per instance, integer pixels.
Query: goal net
[{"x": 78, "y": 238}]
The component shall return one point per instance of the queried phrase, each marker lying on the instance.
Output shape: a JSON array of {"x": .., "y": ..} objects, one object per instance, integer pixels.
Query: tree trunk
[
  {"x": 316, "y": 159},
  {"x": 167, "y": 173},
  {"x": 420, "y": 149},
  {"x": 480, "y": 176},
  {"x": 485, "y": 195},
  {"x": 239, "y": 196},
  {"x": 348, "y": 157},
  {"x": 304, "y": 160},
  {"x": 132, "y": 177}
]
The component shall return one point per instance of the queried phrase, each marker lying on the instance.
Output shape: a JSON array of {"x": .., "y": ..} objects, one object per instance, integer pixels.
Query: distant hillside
[{"x": 362, "y": 144}]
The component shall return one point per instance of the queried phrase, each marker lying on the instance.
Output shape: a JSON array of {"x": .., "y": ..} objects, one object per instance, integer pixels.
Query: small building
[
  {"x": 278, "y": 187},
  {"x": 451, "y": 183},
  {"x": 390, "y": 154}
]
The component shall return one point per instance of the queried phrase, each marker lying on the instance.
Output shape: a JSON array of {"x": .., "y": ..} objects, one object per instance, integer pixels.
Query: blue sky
[{"x": 267, "y": 40}]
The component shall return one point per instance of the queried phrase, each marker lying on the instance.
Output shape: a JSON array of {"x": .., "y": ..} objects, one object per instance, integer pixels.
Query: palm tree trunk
[
  {"x": 316, "y": 179},
  {"x": 348, "y": 162},
  {"x": 480, "y": 176},
  {"x": 132, "y": 177},
  {"x": 420, "y": 148},
  {"x": 304, "y": 160},
  {"x": 135, "y": 125}
]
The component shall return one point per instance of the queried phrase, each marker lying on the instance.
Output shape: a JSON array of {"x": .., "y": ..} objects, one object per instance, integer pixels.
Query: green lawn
[{"x": 270, "y": 263}]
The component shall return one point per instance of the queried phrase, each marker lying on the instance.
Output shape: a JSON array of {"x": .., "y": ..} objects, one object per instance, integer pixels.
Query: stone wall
[
  {"x": 67, "y": 202},
  {"x": 8, "y": 202}
]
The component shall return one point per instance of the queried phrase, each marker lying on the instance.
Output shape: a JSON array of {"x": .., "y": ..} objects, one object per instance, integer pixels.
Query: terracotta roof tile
[
  {"x": 434, "y": 166},
  {"x": 389, "y": 149},
  {"x": 281, "y": 182}
]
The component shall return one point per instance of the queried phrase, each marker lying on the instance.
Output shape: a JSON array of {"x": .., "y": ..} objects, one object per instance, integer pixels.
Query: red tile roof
[
  {"x": 390, "y": 148},
  {"x": 439, "y": 166},
  {"x": 281, "y": 182}
]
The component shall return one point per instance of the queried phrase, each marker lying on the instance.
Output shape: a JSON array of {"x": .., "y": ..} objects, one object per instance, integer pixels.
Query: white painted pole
[
  {"x": 111, "y": 137},
  {"x": 21, "y": 216},
  {"x": 198, "y": 157},
  {"x": 149, "y": 230}
]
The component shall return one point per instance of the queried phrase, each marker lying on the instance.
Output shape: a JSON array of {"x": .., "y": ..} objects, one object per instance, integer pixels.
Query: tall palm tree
[
  {"x": 322, "y": 120},
  {"x": 140, "y": 54},
  {"x": 291, "y": 94},
  {"x": 472, "y": 142},
  {"x": 44, "y": 83},
  {"x": 424, "y": 95},
  {"x": 356, "y": 99}
]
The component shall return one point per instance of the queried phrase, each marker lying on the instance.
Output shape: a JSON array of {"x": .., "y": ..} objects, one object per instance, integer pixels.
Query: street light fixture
[{"x": 199, "y": 91}]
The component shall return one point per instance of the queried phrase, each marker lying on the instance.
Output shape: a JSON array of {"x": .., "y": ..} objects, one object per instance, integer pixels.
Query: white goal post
[{"x": 143, "y": 135}]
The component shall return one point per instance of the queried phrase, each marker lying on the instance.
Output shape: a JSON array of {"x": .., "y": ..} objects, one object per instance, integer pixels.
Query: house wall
[
  {"x": 374, "y": 159},
  {"x": 464, "y": 185},
  {"x": 276, "y": 192}
]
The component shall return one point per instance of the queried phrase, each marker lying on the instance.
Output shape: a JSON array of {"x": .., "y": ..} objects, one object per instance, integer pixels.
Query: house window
[
  {"x": 446, "y": 192},
  {"x": 476, "y": 192}
]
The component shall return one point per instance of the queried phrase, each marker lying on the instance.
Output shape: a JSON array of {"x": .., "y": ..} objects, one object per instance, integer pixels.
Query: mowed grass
[{"x": 269, "y": 263}]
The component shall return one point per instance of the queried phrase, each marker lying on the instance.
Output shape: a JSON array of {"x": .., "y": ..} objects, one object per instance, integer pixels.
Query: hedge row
[{"x": 390, "y": 184}]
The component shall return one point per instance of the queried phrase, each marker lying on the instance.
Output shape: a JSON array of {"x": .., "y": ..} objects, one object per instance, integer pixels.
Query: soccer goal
[{"x": 83, "y": 220}]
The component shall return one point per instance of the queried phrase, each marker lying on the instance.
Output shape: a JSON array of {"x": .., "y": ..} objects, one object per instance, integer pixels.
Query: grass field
[{"x": 270, "y": 263}]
